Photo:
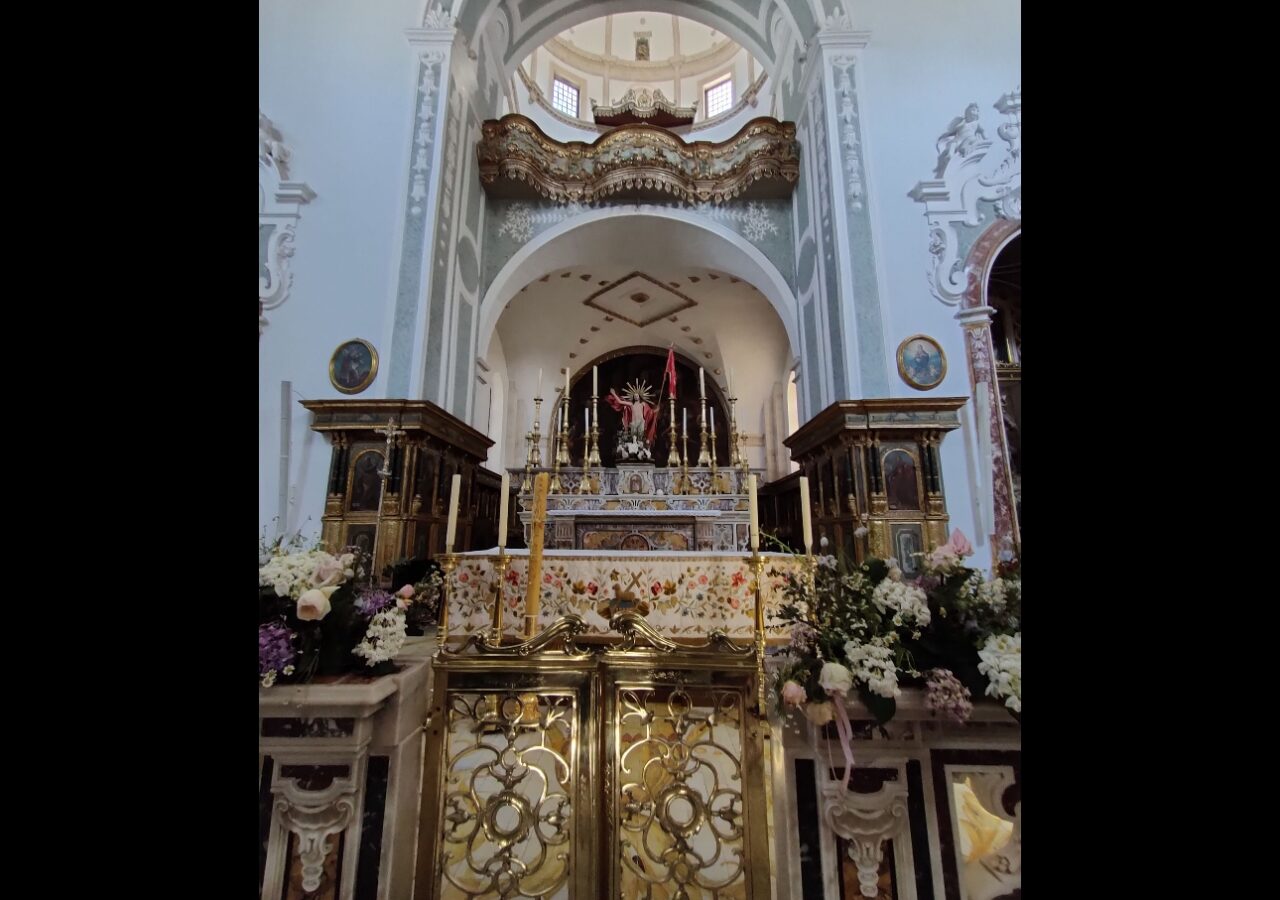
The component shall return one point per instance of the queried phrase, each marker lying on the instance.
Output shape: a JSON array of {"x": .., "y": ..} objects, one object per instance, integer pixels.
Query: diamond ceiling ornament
[{"x": 624, "y": 300}]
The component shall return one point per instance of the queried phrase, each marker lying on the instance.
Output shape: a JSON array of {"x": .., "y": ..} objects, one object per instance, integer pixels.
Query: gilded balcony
[{"x": 641, "y": 161}]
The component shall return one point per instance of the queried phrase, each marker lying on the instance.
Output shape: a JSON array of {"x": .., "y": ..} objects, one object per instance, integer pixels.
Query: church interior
[{"x": 639, "y": 449}]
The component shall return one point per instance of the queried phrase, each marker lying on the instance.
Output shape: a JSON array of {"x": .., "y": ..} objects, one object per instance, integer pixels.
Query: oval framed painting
[
  {"x": 353, "y": 366},
  {"x": 921, "y": 362}
]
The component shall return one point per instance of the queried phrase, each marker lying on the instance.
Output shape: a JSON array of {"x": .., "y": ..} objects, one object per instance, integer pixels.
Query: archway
[{"x": 1001, "y": 514}]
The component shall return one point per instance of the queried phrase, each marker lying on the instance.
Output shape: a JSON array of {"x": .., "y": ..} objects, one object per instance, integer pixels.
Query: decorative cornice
[
  {"x": 866, "y": 821},
  {"x": 642, "y": 104},
  {"x": 517, "y": 159},
  {"x": 633, "y": 70}
]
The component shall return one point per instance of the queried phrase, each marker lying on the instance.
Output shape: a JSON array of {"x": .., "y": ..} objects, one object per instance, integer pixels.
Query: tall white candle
[
  {"x": 452, "y": 530},
  {"x": 502, "y": 509},
  {"x": 702, "y": 384},
  {"x": 586, "y": 417},
  {"x": 755, "y": 512},
  {"x": 595, "y": 381},
  {"x": 685, "y": 430},
  {"x": 566, "y": 384},
  {"x": 713, "y": 420},
  {"x": 805, "y": 522},
  {"x": 539, "y": 394}
]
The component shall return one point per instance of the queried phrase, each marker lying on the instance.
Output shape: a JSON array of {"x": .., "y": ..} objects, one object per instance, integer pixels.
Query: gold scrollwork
[
  {"x": 630, "y": 625},
  {"x": 507, "y": 811},
  {"x": 680, "y": 802},
  {"x": 566, "y": 628},
  {"x": 516, "y": 157}
]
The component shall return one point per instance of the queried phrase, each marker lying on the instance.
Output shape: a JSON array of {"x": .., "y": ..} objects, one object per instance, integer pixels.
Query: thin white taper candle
[
  {"x": 539, "y": 394},
  {"x": 805, "y": 522},
  {"x": 755, "y": 513},
  {"x": 452, "y": 531},
  {"x": 702, "y": 384},
  {"x": 595, "y": 381},
  {"x": 502, "y": 509}
]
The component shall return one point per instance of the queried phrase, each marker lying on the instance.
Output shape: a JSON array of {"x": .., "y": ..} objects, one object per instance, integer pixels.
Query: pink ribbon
[{"x": 845, "y": 730}]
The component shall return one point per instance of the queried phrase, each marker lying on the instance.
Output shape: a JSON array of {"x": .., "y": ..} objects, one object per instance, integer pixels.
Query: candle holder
[
  {"x": 733, "y": 433},
  {"x": 536, "y": 461},
  {"x": 562, "y": 454},
  {"x": 448, "y": 563},
  {"x": 756, "y": 561},
  {"x": 704, "y": 458},
  {"x": 526, "y": 484},
  {"x": 673, "y": 456},
  {"x": 594, "y": 457},
  {"x": 495, "y": 625},
  {"x": 686, "y": 481}
]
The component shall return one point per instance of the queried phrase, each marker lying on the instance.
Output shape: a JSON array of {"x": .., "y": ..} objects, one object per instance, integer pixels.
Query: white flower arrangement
[
  {"x": 874, "y": 666},
  {"x": 293, "y": 574},
  {"x": 1001, "y": 662},
  {"x": 909, "y": 604},
  {"x": 384, "y": 637}
]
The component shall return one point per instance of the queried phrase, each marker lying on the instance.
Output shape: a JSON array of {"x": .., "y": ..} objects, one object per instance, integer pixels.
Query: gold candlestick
[
  {"x": 757, "y": 572},
  {"x": 584, "y": 484},
  {"x": 673, "y": 456},
  {"x": 733, "y": 432},
  {"x": 594, "y": 458},
  {"x": 536, "y": 462},
  {"x": 526, "y": 485},
  {"x": 562, "y": 455},
  {"x": 448, "y": 563},
  {"x": 687, "y": 482},
  {"x": 498, "y": 605},
  {"x": 704, "y": 458}
]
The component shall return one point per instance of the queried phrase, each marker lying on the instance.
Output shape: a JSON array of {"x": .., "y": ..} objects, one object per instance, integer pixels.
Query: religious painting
[
  {"x": 901, "y": 485},
  {"x": 353, "y": 366},
  {"x": 907, "y": 541},
  {"x": 366, "y": 482},
  {"x": 921, "y": 362},
  {"x": 361, "y": 537}
]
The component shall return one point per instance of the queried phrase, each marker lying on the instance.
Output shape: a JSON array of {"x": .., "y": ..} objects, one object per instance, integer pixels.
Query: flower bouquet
[
  {"x": 868, "y": 628},
  {"x": 313, "y": 620}
]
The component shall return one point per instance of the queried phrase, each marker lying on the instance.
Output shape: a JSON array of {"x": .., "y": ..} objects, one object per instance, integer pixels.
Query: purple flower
[
  {"x": 275, "y": 648},
  {"x": 374, "y": 602},
  {"x": 945, "y": 694}
]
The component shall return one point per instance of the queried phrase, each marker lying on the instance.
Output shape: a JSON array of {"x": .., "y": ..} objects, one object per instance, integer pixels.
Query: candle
[
  {"x": 452, "y": 531},
  {"x": 595, "y": 381},
  {"x": 539, "y": 394},
  {"x": 731, "y": 382},
  {"x": 805, "y": 522},
  {"x": 685, "y": 430},
  {"x": 713, "y": 420},
  {"x": 702, "y": 384},
  {"x": 586, "y": 418},
  {"x": 755, "y": 513},
  {"x": 566, "y": 384},
  {"x": 502, "y": 510}
]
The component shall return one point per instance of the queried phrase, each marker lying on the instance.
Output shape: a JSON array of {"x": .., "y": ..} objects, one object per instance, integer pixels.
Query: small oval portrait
[
  {"x": 921, "y": 362},
  {"x": 353, "y": 366}
]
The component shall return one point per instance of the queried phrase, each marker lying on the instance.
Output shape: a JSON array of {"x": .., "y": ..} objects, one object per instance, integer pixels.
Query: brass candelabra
[
  {"x": 673, "y": 456},
  {"x": 557, "y": 454},
  {"x": 499, "y": 605},
  {"x": 704, "y": 458}
]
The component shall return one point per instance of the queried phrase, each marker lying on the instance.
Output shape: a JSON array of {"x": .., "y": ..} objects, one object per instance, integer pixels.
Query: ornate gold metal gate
[{"x": 555, "y": 771}]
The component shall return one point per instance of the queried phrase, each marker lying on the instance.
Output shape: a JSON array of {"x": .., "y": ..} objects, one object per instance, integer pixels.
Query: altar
[{"x": 638, "y": 508}]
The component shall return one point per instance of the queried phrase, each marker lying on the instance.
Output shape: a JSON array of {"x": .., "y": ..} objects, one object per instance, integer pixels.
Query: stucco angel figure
[{"x": 964, "y": 132}]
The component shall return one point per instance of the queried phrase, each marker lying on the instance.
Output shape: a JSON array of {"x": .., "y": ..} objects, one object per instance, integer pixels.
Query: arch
[
  {"x": 975, "y": 318},
  {"x": 473, "y": 17},
  {"x": 567, "y": 242}
]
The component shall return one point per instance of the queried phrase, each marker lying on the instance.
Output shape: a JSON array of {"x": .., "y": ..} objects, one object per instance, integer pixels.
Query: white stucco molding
[
  {"x": 280, "y": 203},
  {"x": 866, "y": 821},
  {"x": 972, "y": 170}
]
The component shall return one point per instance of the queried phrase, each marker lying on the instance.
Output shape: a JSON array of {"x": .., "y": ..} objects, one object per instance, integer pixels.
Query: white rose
[
  {"x": 835, "y": 679},
  {"x": 820, "y": 713},
  {"x": 314, "y": 604}
]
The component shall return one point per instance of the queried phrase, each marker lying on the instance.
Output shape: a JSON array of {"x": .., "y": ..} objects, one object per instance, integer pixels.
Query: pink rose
[
  {"x": 328, "y": 572},
  {"x": 314, "y": 604},
  {"x": 464, "y": 578},
  {"x": 793, "y": 694},
  {"x": 592, "y": 587},
  {"x": 960, "y": 544},
  {"x": 407, "y": 592},
  {"x": 656, "y": 589}
]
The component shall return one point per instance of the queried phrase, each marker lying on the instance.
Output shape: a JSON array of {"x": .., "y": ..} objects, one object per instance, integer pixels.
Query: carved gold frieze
[{"x": 516, "y": 159}]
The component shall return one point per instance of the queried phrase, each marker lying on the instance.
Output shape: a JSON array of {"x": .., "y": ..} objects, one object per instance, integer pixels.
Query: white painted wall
[
  {"x": 926, "y": 61},
  {"x": 336, "y": 77}
]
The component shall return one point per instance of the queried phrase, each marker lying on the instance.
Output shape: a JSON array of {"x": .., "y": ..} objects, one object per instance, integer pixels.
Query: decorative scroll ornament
[
  {"x": 279, "y": 207},
  {"x": 866, "y": 821},
  {"x": 970, "y": 172},
  {"x": 315, "y": 817},
  {"x": 643, "y": 105},
  {"x": 508, "y": 815},
  {"x": 516, "y": 159}
]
